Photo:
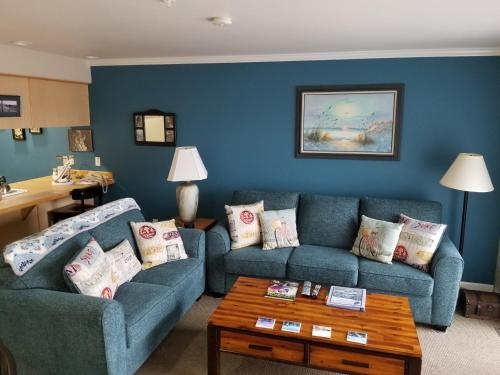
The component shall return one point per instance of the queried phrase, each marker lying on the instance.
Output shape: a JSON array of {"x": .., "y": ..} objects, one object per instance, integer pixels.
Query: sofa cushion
[
  {"x": 389, "y": 209},
  {"x": 328, "y": 221},
  {"x": 394, "y": 278},
  {"x": 272, "y": 200},
  {"x": 113, "y": 232},
  {"x": 170, "y": 274},
  {"x": 253, "y": 261},
  {"x": 145, "y": 306},
  {"x": 326, "y": 265}
]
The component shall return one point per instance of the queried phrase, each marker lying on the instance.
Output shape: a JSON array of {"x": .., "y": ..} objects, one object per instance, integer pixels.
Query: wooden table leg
[
  {"x": 213, "y": 353},
  {"x": 414, "y": 366}
]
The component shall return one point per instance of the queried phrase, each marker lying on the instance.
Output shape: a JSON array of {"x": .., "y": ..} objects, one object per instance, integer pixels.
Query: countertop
[{"x": 39, "y": 190}]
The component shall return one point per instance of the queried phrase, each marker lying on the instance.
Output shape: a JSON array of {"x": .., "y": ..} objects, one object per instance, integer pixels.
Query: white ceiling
[{"x": 117, "y": 29}]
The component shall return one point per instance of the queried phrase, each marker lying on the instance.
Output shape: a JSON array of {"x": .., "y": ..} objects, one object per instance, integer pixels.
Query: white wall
[{"x": 26, "y": 62}]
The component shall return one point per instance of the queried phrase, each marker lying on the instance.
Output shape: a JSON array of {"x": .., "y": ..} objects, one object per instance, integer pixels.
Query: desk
[{"x": 26, "y": 213}]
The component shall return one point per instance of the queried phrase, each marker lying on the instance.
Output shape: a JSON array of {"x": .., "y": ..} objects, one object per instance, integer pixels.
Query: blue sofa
[
  {"x": 50, "y": 330},
  {"x": 327, "y": 227}
]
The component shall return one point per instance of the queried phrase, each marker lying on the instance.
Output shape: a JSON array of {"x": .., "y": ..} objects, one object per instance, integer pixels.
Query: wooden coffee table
[{"x": 392, "y": 348}]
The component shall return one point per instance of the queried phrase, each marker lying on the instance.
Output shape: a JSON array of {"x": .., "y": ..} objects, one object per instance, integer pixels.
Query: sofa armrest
[
  {"x": 218, "y": 244},
  {"x": 50, "y": 332},
  {"x": 446, "y": 269},
  {"x": 194, "y": 242}
]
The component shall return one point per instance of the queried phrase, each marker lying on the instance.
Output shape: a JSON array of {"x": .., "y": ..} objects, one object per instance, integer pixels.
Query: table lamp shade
[
  {"x": 187, "y": 165},
  {"x": 468, "y": 173}
]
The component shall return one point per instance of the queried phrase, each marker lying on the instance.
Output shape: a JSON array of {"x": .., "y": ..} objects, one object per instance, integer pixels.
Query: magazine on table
[
  {"x": 347, "y": 298},
  {"x": 286, "y": 290}
]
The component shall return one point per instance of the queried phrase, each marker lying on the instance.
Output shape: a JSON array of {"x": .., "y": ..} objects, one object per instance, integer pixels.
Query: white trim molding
[
  {"x": 318, "y": 56},
  {"x": 476, "y": 286},
  {"x": 28, "y": 62}
]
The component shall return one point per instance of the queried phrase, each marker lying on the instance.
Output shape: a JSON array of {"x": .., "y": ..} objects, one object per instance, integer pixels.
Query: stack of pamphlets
[
  {"x": 347, "y": 298},
  {"x": 358, "y": 337},
  {"x": 322, "y": 331},
  {"x": 286, "y": 290},
  {"x": 264, "y": 322},
  {"x": 289, "y": 326}
]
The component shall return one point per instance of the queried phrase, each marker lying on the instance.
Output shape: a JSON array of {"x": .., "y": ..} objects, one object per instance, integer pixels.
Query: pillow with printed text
[
  {"x": 158, "y": 242},
  {"x": 418, "y": 242},
  {"x": 90, "y": 272},
  {"x": 244, "y": 225}
]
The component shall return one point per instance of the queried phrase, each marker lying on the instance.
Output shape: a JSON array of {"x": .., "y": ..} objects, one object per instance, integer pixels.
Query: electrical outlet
[
  {"x": 155, "y": 220},
  {"x": 97, "y": 161}
]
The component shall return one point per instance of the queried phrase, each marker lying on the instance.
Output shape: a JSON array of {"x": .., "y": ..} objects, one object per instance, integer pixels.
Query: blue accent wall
[
  {"x": 36, "y": 156},
  {"x": 242, "y": 119}
]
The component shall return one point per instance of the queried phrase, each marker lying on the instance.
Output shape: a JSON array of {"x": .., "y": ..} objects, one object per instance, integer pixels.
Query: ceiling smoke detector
[
  {"x": 169, "y": 2},
  {"x": 22, "y": 43},
  {"x": 92, "y": 57},
  {"x": 221, "y": 21}
]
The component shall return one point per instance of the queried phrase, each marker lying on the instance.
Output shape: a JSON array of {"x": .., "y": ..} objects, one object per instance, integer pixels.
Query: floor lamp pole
[{"x": 464, "y": 217}]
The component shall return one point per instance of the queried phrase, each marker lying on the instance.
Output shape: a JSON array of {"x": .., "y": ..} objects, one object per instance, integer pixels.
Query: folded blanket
[{"x": 25, "y": 253}]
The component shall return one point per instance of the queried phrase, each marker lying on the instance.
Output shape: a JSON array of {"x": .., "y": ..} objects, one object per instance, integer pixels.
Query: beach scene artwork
[{"x": 356, "y": 122}]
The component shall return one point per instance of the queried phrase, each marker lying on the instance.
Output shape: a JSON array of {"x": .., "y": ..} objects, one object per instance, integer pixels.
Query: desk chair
[
  {"x": 7, "y": 363},
  {"x": 74, "y": 209}
]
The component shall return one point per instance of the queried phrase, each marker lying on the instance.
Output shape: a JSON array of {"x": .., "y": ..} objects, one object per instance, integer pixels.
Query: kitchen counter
[{"x": 26, "y": 213}]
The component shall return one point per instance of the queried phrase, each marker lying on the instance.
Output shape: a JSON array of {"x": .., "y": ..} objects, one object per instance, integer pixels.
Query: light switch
[{"x": 97, "y": 161}]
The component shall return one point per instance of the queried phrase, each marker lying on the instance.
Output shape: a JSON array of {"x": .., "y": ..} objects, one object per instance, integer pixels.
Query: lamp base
[{"x": 187, "y": 202}]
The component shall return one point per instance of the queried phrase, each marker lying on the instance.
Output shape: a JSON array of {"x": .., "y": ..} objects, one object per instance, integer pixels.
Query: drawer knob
[
  {"x": 260, "y": 347},
  {"x": 355, "y": 363}
]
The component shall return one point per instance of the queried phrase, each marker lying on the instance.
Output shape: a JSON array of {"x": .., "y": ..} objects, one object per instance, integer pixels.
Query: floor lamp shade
[
  {"x": 468, "y": 173},
  {"x": 187, "y": 166}
]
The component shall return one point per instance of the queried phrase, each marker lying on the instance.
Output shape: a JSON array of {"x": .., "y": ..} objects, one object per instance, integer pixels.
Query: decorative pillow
[
  {"x": 376, "y": 239},
  {"x": 124, "y": 262},
  {"x": 90, "y": 272},
  {"x": 158, "y": 242},
  {"x": 278, "y": 229},
  {"x": 418, "y": 242},
  {"x": 244, "y": 224}
]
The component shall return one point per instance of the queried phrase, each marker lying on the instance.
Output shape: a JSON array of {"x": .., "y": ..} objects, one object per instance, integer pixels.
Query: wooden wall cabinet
[
  {"x": 46, "y": 103},
  {"x": 58, "y": 103}
]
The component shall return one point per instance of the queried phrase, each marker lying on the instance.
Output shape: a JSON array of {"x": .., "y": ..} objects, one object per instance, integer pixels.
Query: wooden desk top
[
  {"x": 40, "y": 190},
  {"x": 388, "y": 320}
]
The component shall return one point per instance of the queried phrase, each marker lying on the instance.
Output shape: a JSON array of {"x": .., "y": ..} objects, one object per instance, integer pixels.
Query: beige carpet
[{"x": 469, "y": 347}]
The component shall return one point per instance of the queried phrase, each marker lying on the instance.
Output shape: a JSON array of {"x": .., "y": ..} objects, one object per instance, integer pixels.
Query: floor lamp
[{"x": 468, "y": 173}]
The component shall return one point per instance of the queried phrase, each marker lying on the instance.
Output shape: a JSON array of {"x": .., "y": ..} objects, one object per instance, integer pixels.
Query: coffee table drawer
[
  {"x": 262, "y": 347},
  {"x": 354, "y": 362}
]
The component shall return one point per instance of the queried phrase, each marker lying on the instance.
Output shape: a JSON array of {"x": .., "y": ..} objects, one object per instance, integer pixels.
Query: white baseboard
[{"x": 476, "y": 286}]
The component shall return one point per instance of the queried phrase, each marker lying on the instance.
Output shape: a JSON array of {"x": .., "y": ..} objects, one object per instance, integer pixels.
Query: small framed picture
[
  {"x": 170, "y": 136},
  {"x": 139, "y": 135},
  {"x": 169, "y": 122},
  {"x": 19, "y": 134},
  {"x": 139, "y": 121},
  {"x": 10, "y": 106},
  {"x": 80, "y": 140},
  {"x": 36, "y": 130}
]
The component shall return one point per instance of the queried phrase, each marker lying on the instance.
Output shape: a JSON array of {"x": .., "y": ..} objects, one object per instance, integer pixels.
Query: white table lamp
[
  {"x": 187, "y": 166},
  {"x": 468, "y": 173}
]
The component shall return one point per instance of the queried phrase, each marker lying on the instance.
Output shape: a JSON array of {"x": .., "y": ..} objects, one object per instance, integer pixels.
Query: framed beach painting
[{"x": 351, "y": 122}]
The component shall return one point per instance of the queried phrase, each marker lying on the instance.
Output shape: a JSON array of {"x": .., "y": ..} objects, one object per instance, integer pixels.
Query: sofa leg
[
  {"x": 197, "y": 299},
  {"x": 439, "y": 328}
]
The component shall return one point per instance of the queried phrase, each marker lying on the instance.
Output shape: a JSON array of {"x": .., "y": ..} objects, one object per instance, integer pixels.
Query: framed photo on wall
[
  {"x": 80, "y": 140},
  {"x": 349, "y": 122},
  {"x": 19, "y": 134},
  {"x": 36, "y": 130},
  {"x": 10, "y": 106}
]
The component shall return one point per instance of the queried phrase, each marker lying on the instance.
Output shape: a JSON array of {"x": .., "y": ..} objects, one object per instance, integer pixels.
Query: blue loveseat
[
  {"x": 50, "y": 330},
  {"x": 327, "y": 227}
]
